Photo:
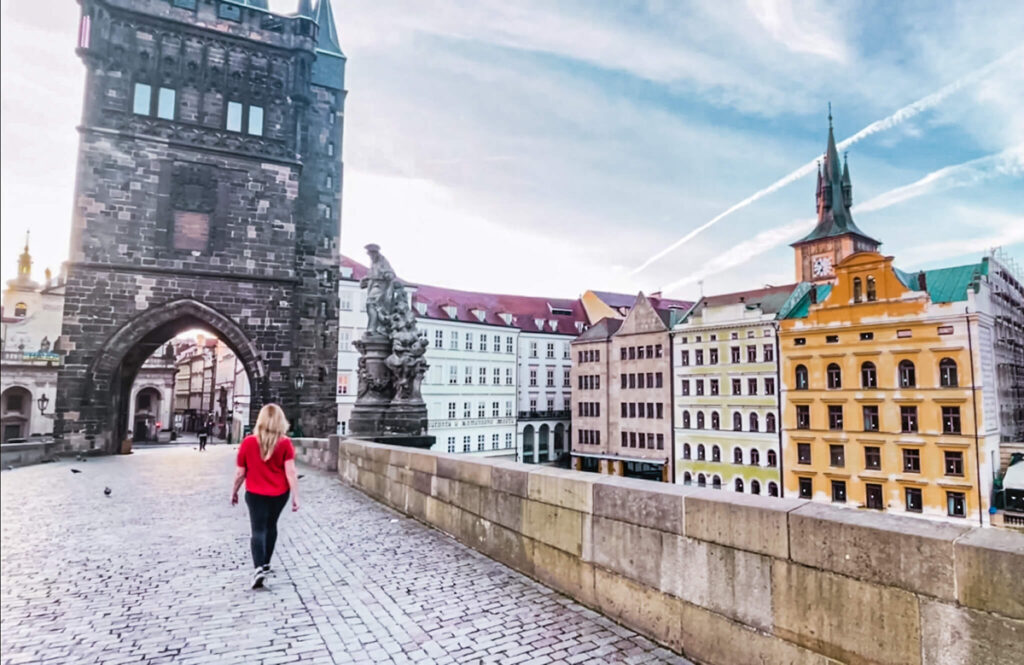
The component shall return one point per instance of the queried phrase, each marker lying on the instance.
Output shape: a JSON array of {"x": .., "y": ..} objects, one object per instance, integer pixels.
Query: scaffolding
[{"x": 1007, "y": 293}]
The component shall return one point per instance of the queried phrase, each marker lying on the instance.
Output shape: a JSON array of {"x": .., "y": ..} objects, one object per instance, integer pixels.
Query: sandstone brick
[
  {"x": 423, "y": 462},
  {"x": 476, "y": 472},
  {"x": 648, "y": 611},
  {"x": 889, "y": 549},
  {"x": 654, "y": 505},
  {"x": 510, "y": 478},
  {"x": 846, "y": 619},
  {"x": 562, "y": 571},
  {"x": 734, "y": 583},
  {"x": 754, "y": 523},
  {"x": 711, "y": 638},
  {"x": 501, "y": 508},
  {"x": 990, "y": 571},
  {"x": 561, "y": 487},
  {"x": 952, "y": 635},
  {"x": 630, "y": 550},
  {"x": 551, "y": 525}
]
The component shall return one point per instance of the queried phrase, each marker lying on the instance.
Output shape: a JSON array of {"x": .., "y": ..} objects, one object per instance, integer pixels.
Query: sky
[{"x": 548, "y": 147}]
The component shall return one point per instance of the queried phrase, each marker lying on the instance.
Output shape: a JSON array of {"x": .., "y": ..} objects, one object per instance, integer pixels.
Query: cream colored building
[{"x": 726, "y": 386}]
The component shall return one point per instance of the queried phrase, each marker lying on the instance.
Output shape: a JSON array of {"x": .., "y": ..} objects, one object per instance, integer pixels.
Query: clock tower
[{"x": 835, "y": 236}]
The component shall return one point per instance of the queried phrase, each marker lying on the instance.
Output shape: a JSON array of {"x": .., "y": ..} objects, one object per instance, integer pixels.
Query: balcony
[{"x": 562, "y": 414}]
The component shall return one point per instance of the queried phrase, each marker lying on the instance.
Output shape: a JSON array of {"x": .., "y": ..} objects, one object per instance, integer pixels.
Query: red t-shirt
[{"x": 267, "y": 478}]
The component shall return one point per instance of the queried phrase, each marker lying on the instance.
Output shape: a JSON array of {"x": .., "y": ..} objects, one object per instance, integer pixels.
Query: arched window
[
  {"x": 20, "y": 310},
  {"x": 687, "y": 478},
  {"x": 947, "y": 373},
  {"x": 737, "y": 421},
  {"x": 801, "y": 377},
  {"x": 700, "y": 420},
  {"x": 769, "y": 422},
  {"x": 834, "y": 376},
  {"x": 868, "y": 375},
  {"x": 857, "y": 289},
  {"x": 755, "y": 487},
  {"x": 701, "y": 480},
  {"x": 716, "y": 482},
  {"x": 772, "y": 459},
  {"x": 773, "y": 489},
  {"x": 700, "y": 451},
  {"x": 737, "y": 455},
  {"x": 738, "y": 485},
  {"x": 686, "y": 420},
  {"x": 755, "y": 426},
  {"x": 872, "y": 294},
  {"x": 716, "y": 421},
  {"x": 755, "y": 457},
  {"x": 908, "y": 377},
  {"x": 716, "y": 454},
  {"x": 686, "y": 451}
]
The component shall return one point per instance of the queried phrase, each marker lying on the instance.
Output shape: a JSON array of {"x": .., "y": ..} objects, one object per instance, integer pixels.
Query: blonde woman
[{"x": 266, "y": 462}]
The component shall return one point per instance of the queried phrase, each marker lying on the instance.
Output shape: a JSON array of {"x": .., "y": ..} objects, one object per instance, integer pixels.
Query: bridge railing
[{"x": 718, "y": 576}]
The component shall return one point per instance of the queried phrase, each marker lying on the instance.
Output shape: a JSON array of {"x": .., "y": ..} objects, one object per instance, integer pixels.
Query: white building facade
[
  {"x": 545, "y": 392},
  {"x": 351, "y": 325}
]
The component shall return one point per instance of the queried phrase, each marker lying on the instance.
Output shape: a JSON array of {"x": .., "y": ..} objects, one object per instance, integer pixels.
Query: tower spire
[
  {"x": 328, "y": 41},
  {"x": 25, "y": 260}
]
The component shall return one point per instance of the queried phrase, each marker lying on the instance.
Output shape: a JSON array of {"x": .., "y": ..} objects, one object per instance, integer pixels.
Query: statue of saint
[{"x": 379, "y": 284}]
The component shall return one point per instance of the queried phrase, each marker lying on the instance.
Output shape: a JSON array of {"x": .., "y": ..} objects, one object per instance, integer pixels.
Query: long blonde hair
[{"x": 271, "y": 425}]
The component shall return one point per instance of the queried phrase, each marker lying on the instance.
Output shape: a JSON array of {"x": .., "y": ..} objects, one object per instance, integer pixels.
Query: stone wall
[
  {"x": 318, "y": 453},
  {"x": 723, "y": 578},
  {"x": 29, "y": 452}
]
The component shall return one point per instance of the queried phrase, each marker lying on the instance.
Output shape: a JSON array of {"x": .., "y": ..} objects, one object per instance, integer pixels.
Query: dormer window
[
  {"x": 560, "y": 311},
  {"x": 539, "y": 323},
  {"x": 579, "y": 326},
  {"x": 346, "y": 272},
  {"x": 20, "y": 310},
  {"x": 506, "y": 317},
  {"x": 480, "y": 314},
  {"x": 554, "y": 325},
  {"x": 421, "y": 307},
  {"x": 450, "y": 310}
]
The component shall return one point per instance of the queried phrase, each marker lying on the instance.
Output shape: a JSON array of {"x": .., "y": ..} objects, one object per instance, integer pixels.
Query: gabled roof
[
  {"x": 644, "y": 318},
  {"x": 768, "y": 299},
  {"x": 524, "y": 311},
  {"x": 600, "y": 331},
  {"x": 617, "y": 300},
  {"x": 945, "y": 284}
]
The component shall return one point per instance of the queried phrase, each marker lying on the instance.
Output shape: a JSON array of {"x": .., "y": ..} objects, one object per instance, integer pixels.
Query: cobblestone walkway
[{"x": 159, "y": 571}]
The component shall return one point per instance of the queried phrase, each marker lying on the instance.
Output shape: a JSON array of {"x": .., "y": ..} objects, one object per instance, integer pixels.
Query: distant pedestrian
[
  {"x": 204, "y": 431},
  {"x": 266, "y": 462}
]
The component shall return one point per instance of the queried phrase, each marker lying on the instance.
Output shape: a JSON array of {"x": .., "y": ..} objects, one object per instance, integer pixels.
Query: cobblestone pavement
[{"x": 159, "y": 571}]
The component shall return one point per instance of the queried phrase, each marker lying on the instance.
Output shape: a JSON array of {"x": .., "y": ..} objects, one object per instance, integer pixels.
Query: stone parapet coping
[{"x": 722, "y": 577}]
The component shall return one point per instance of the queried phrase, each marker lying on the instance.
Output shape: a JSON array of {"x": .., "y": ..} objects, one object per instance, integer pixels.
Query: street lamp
[
  {"x": 42, "y": 403},
  {"x": 299, "y": 380}
]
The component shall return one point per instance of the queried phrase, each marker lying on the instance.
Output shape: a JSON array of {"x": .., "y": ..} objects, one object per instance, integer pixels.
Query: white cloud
[{"x": 802, "y": 29}]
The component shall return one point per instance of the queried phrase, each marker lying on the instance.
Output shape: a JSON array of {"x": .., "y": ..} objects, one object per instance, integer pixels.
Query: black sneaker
[
  {"x": 258, "y": 577},
  {"x": 266, "y": 569}
]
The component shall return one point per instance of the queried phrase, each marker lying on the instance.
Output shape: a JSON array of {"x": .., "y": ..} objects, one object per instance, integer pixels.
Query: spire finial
[
  {"x": 830, "y": 115},
  {"x": 26, "y": 239}
]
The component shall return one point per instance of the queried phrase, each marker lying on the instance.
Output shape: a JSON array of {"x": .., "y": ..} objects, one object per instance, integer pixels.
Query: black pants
[
  {"x": 202, "y": 442},
  {"x": 263, "y": 513}
]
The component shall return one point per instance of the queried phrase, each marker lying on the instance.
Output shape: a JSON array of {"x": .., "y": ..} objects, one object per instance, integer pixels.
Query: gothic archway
[{"x": 114, "y": 369}]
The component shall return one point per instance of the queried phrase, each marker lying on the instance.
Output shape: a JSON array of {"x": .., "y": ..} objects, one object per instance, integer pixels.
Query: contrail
[
  {"x": 1009, "y": 162},
  {"x": 896, "y": 118}
]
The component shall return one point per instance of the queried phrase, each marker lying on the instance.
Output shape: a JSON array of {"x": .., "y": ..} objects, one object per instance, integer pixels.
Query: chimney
[
  {"x": 743, "y": 298},
  {"x": 922, "y": 284},
  {"x": 814, "y": 295}
]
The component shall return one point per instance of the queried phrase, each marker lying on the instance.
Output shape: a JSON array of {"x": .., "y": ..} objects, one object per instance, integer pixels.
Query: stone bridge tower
[{"x": 208, "y": 196}]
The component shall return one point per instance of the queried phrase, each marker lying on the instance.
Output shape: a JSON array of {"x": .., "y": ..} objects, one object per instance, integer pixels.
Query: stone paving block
[
  {"x": 846, "y": 619},
  {"x": 753, "y": 523},
  {"x": 630, "y": 550},
  {"x": 731, "y": 582},
  {"x": 906, "y": 552},
  {"x": 952, "y": 635},
  {"x": 562, "y": 487},
  {"x": 990, "y": 571}
]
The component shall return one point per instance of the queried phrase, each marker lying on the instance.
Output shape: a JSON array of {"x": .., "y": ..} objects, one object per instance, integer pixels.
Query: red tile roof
[
  {"x": 617, "y": 300},
  {"x": 358, "y": 269},
  {"x": 525, "y": 311}
]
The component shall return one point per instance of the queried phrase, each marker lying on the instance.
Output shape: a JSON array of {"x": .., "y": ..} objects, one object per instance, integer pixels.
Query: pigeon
[
  {"x": 107, "y": 491},
  {"x": 75, "y": 471},
  {"x": 302, "y": 475},
  {"x": 9, "y": 467},
  {"x": 79, "y": 457}
]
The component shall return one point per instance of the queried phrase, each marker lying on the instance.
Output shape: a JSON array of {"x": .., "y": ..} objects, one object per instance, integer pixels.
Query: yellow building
[{"x": 883, "y": 390}]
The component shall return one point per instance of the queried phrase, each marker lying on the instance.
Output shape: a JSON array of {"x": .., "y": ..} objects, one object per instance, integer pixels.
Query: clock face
[{"x": 821, "y": 266}]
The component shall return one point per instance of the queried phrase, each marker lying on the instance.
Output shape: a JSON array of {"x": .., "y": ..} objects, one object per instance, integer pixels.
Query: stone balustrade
[
  {"x": 318, "y": 453},
  {"x": 723, "y": 578}
]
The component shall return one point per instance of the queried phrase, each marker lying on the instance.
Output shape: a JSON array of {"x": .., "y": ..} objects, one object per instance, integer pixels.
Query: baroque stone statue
[{"x": 392, "y": 362}]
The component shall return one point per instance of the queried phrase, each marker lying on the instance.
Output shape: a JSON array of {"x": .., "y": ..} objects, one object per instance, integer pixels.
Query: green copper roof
[
  {"x": 945, "y": 284},
  {"x": 834, "y": 197},
  {"x": 802, "y": 306}
]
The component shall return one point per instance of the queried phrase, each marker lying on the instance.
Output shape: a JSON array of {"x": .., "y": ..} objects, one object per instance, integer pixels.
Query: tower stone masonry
[{"x": 208, "y": 196}]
